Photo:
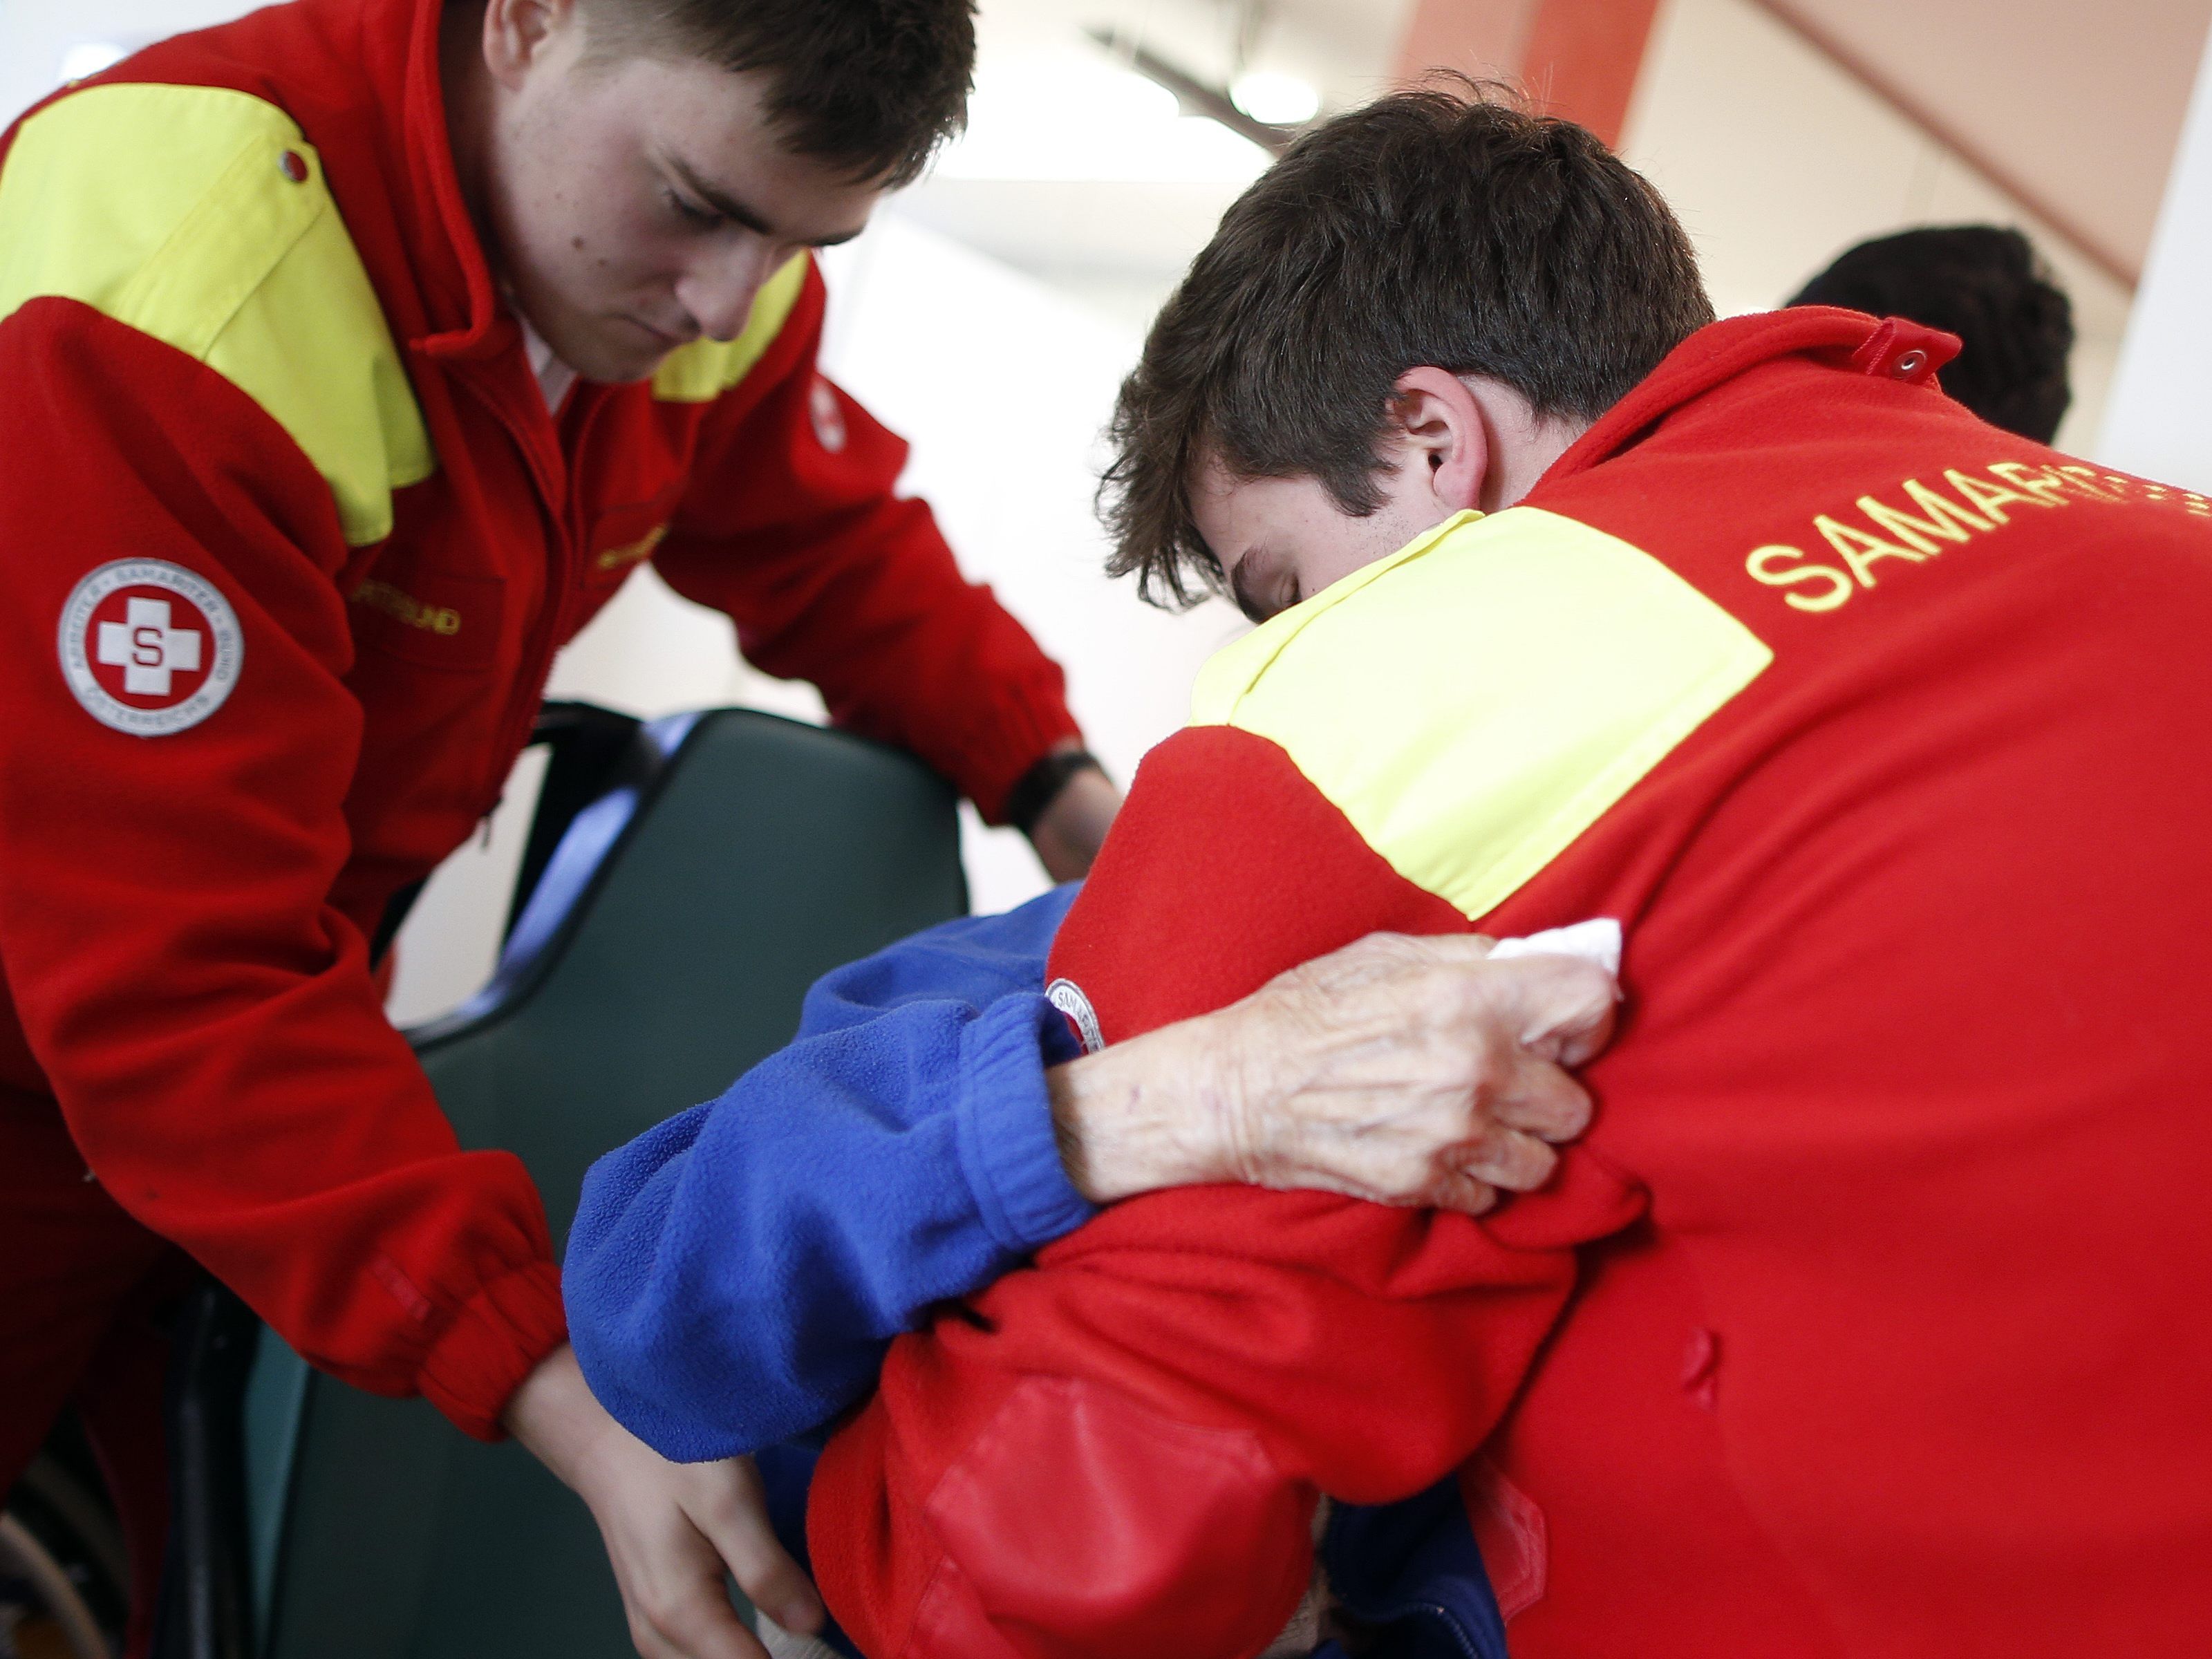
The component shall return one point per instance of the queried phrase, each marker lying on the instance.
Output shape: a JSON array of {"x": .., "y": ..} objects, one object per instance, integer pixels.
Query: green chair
[{"x": 687, "y": 880}]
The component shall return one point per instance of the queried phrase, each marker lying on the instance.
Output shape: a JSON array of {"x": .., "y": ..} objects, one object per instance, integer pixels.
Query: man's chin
[
  {"x": 621, "y": 368},
  {"x": 615, "y": 355}
]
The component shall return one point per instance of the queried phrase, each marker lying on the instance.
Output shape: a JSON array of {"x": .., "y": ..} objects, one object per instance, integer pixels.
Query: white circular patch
[
  {"x": 149, "y": 647},
  {"x": 1066, "y": 995}
]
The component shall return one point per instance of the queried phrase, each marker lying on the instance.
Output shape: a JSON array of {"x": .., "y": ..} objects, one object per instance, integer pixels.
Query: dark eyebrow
[{"x": 731, "y": 209}]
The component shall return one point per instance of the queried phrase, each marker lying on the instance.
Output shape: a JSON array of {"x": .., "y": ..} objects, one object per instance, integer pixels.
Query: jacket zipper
[{"x": 565, "y": 532}]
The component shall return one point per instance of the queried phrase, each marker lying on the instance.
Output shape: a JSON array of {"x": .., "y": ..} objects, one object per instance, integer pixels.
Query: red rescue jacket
[
  {"x": 291, "y": 541},
  {"x": 1868, "y": 1319}
]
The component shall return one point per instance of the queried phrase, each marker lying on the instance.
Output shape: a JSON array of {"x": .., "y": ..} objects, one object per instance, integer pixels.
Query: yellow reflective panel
[
  {"x": 1476, "y": 702},
  {"x": 174, "y": 211},
  {"x": 705, "y": 369}
]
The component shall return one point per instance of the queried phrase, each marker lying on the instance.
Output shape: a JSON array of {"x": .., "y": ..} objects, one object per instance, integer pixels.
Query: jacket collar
[
  {"x": 1845, "y": 340},
  {"x": 463, "y": 315}
]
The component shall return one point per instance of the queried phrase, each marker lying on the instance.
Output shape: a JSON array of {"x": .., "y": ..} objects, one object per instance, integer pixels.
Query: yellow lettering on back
[
  {"x": 1945, "y": 519},
  {"x": 1763, "y": 563},
  {"x": 2084, "y": 478},
  {"x": 1989, "y": 498},
  {"x": 2040, "y": 482},
  {"x": 1860, "y": 550}
]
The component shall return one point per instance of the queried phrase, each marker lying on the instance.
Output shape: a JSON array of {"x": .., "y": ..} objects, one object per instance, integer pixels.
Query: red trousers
[{"x": 81, "y": 1284}]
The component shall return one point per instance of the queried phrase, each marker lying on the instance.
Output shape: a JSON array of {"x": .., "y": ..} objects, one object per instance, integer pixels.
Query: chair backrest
[{"x": 730, "y": 859}]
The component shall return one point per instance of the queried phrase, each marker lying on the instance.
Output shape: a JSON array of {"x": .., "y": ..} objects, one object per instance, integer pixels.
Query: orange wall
[{"x": 1578, "y": 58}]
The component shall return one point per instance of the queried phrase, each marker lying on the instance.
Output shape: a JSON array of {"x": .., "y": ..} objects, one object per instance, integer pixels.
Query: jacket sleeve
[
  {"x": 734, "y": 1275},
  {"x": 1077, "y": 1462},
  {"x": 203, "y": 1012},
  {"x": 793, "y": 526}
]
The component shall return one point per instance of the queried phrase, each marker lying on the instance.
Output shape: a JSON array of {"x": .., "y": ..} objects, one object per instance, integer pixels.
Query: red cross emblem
[{"x": 149, "y": 647}]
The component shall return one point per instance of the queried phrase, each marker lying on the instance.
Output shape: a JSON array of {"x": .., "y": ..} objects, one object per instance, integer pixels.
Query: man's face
[
  {"x": 1283, "y": 540},
  {"x": 639, "y": 204}
]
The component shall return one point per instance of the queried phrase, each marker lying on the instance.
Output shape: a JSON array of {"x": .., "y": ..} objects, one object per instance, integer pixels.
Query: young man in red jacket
[
  {"x": 353, "y": 354},
  {"x": 1868, "y": 1317},
  {"x": 350, "y": 359}
]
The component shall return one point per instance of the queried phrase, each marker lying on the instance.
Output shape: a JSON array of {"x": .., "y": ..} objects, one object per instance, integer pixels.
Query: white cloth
[{"x": 1597, "y": 940}]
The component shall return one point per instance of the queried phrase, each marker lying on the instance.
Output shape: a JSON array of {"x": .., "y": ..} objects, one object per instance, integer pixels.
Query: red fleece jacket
[
  {"x": 292, "y": 541},
  {"x": 1868, "y": 1318}
]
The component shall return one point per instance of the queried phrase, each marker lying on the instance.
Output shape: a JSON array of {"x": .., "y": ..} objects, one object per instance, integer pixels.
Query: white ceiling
[{"x": 1105, "y": 207}]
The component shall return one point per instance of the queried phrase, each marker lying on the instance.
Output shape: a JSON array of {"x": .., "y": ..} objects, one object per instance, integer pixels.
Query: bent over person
[
  {"x": 352, "y": 356},
  {"x": 1868, "y": 1318}
]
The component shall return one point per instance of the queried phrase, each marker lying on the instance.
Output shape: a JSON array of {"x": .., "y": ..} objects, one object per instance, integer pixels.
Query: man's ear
[
  {"x": 518, "y": 34},
  {"x": 1441, "y": 445}
]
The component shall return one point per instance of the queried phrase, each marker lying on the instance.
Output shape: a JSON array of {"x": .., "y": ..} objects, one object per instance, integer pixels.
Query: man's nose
[{"x": 718, "y": 292}]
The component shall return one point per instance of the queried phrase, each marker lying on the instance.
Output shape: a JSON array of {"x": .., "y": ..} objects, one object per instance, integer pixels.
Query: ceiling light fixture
[
  {"x": 1280, "y": 100},
  {"x": 1196, "y": 96}
]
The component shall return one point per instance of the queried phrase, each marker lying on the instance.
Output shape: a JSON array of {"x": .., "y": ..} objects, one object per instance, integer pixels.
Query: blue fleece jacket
[{"x": 734, "y": 1275}]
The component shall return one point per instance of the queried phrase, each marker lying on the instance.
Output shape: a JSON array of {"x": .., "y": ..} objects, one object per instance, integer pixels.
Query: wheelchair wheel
[{"x": 63, "y": 1574}]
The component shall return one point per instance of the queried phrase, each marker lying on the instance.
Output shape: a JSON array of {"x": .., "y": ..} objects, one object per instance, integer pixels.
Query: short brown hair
[
  {"x": 870, "y": 87},
  {"x": 1446, "y": 226}
]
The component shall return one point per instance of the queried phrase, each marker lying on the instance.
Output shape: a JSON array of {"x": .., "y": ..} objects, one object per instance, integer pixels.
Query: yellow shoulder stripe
[
  {"x": 1475, "y": 702},
  {"x": 705, "y": 369},
  {"x": 171, "y": 210}
]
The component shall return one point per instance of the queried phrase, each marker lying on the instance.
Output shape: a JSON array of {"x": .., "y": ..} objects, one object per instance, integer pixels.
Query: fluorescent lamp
[
  {"x": 1280, "y": 99},
  {"x": 1075, "y": 116}
]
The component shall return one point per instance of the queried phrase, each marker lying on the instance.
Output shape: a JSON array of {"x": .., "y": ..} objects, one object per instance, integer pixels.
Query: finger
[
  {"x": 1561, "y": 1006},
  {"x": 737, "y": 1525},
  {"x": 1543, "y": 1100},
  {"x": 694, "y": 1620},
  {"x": 1458, "y": 1190},
  {"x": 779, "y": 1587},
  {"x": 643, "y": 1635},
  {"x": 1509, "y": 1159}
]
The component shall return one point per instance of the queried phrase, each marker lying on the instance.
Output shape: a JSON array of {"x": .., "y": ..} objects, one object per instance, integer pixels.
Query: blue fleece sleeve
[{"x": 734, "y": 1275}]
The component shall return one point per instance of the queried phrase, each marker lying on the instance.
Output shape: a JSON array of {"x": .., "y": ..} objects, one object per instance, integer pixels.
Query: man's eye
[{"x": 705, "y": 218}]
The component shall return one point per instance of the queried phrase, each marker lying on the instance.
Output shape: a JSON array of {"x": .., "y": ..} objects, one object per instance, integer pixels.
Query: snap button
[
  {"x": 293, "y": 166},
  {"x": 1910, "y": 364}
]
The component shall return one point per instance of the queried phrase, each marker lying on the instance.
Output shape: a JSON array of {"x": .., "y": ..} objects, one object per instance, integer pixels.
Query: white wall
[
  {"x": 36, "y": 36},
  {"x": 2159, "y": 422},
  {"x": 1777, "y": 160}
]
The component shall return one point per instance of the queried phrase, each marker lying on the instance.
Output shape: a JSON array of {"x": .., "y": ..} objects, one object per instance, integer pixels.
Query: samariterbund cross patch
[{"x": 147, "y": 647}]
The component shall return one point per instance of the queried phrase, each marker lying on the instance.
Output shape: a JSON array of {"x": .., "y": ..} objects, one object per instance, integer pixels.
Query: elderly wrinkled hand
[{"x": 1411, "y": 1070}]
